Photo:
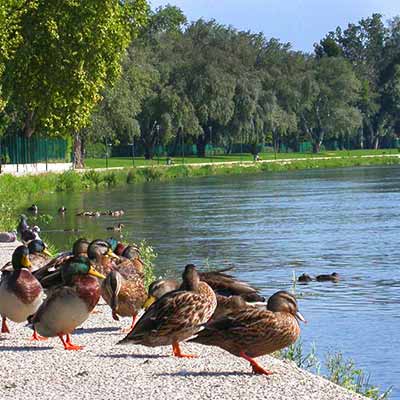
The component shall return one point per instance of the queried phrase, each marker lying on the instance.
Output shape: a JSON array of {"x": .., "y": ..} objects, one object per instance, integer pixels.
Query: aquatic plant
[{"x": 339, "y": 370}]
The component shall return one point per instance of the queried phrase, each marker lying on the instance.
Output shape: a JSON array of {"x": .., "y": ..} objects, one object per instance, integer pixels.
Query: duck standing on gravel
[
  {"x": 20, "y": 292},
  {"x": 49, "y": 275},
  {"x": 250, "y": 332},
  {"x": 124, "y": 291},
  {"x": 70, "y": 305},
  {"x": 176, "y": 316}
]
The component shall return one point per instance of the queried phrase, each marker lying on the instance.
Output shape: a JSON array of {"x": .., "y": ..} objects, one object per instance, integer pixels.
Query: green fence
[{"x": 21, "y": 150}]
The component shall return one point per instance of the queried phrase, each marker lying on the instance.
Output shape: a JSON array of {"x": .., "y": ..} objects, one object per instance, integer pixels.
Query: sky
[{"x": 300, "y": 22}]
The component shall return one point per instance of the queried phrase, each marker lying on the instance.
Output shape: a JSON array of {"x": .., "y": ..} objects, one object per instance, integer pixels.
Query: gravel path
[{"x": 103, "y": 370}]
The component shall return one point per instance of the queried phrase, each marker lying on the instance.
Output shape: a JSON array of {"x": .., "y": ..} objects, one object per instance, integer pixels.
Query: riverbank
[
  {"x": 104, "y": 370},
  {"x": 15, "y": 192}
]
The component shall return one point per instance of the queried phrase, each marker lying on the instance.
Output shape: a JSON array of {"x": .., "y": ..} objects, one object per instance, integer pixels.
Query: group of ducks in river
[{"x": 57, "y": 294}]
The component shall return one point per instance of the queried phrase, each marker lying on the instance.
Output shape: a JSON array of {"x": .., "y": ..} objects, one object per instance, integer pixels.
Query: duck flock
[{"x": 57, "y": 294}]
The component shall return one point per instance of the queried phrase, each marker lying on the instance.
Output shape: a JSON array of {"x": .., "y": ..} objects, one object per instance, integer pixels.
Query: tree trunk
[
  {"x": 376, "y": 142},
  {"x": 29, "y": 127},
  {"x": 148, "y": 151},
  {"x": 316, "y": 146},
  {"x": 78, "y": 159},
  {"x": 201, "y": 146}
]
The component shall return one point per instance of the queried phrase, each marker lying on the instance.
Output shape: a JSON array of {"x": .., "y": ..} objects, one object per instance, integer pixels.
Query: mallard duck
[
  {"x": 305, "y": 278},
  {"x": 251, "y": 332},
  {"x": 20, "y": 292},
  {"x": 115, "y": 228},
  {"x": 62, "y": 210},
  {"x": 38, "y": 254},
  {"x": 102, "y": 256},
  {"x": 30, "y": 234},
  {"x": 176, "y": 316},
  {"x": 334, "y": 277},
  {"x": 131, "y": 252},
  {"x": 22, "y": 224},
  {"x": 70, "y": 305},
  {"x": 33, "y": 209},
  {"x": 222, "y": 283},
  {"x": 50, "y": 274}
]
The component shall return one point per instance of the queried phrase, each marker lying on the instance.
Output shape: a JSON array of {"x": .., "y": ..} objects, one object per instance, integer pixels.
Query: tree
[
  {"x": 329, "y": 94},
  {"x": 67, "y": 54}
]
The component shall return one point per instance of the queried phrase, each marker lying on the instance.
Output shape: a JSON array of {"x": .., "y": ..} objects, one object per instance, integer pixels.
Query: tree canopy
[{"x": 110, "y": 71}]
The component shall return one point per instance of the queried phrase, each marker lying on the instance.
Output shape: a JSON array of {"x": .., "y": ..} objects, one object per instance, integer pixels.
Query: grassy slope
[{"x": 140, "y": 161}]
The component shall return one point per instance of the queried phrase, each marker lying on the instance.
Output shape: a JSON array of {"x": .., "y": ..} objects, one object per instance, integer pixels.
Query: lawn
[{"x": 140, "y": 161}]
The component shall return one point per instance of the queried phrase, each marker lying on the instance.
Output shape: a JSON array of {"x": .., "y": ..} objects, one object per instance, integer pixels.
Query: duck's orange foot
[
  {"x": 67, "y": 343},
  {"x": 178, "y": 353},
  {"x": 257, "y": 368},
  {"x": 37, "y": 338},
  {"x": 70, "y": 346}
]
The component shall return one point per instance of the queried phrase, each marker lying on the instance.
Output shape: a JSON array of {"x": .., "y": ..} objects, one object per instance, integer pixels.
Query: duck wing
[
  {"x": 173, "y": 312},
  {"x": 226, "y": 285}
]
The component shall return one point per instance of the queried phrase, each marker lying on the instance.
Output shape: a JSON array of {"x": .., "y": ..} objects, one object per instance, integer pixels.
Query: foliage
[
  {"x": 64, "y": 56},
  {"x": 344, "y": 373},
  {"x": 339, "y": 370},
  {"x": 148, "y": 255}
]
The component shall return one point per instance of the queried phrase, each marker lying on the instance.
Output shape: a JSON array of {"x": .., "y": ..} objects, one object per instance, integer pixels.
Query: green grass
[
  {"x": 126, "y": 162},
  {"x": 339, "y": 370}
]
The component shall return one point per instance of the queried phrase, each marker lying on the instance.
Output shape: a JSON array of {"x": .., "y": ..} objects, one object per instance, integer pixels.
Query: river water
[{"x": 270, "y": 226}]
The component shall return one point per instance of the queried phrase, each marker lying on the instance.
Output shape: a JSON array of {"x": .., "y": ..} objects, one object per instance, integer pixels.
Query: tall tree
[{"x": 68, "y": 52}]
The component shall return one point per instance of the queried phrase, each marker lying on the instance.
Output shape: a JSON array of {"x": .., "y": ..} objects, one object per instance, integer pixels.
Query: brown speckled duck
[
  {"x": 20, "y": 292},
  {"x": 124, "y": 290},
  {"x": 70, "y": 305},
  {"x": 176, "y": 316},
  {"x": 250, "y": 332}
]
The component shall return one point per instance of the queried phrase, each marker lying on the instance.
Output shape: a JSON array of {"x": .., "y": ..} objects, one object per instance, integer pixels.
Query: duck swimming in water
[{"x": 334, "y": 277}]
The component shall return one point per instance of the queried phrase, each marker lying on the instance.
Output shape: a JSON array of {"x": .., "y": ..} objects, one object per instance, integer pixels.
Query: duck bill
[
  {"x": 25, "y": 262},
  {"x": 47, "y": 253},
  {"x": 112, "y": 255},
  {"x": 299, "y": 317},
  {"x": 150, "y": 300},
  {"x": 93, "y": 272}
]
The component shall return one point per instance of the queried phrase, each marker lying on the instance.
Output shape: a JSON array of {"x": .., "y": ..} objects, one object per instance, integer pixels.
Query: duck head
[
  {"x": 37, "y": 246},
  {"x": 158, "y": 288},
  {"x": 80, "y": 247},
  {"x": 190, "y": 278},
  {"x": 283, "y": 301},
  {"x": 20, "y": 258},
  {"x": 100, "y": 248},
  {"x": 79, "y": 265}
]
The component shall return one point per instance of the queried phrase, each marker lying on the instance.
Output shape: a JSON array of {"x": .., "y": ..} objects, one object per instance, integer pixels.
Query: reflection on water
[{"x": 269, "y": 225}]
